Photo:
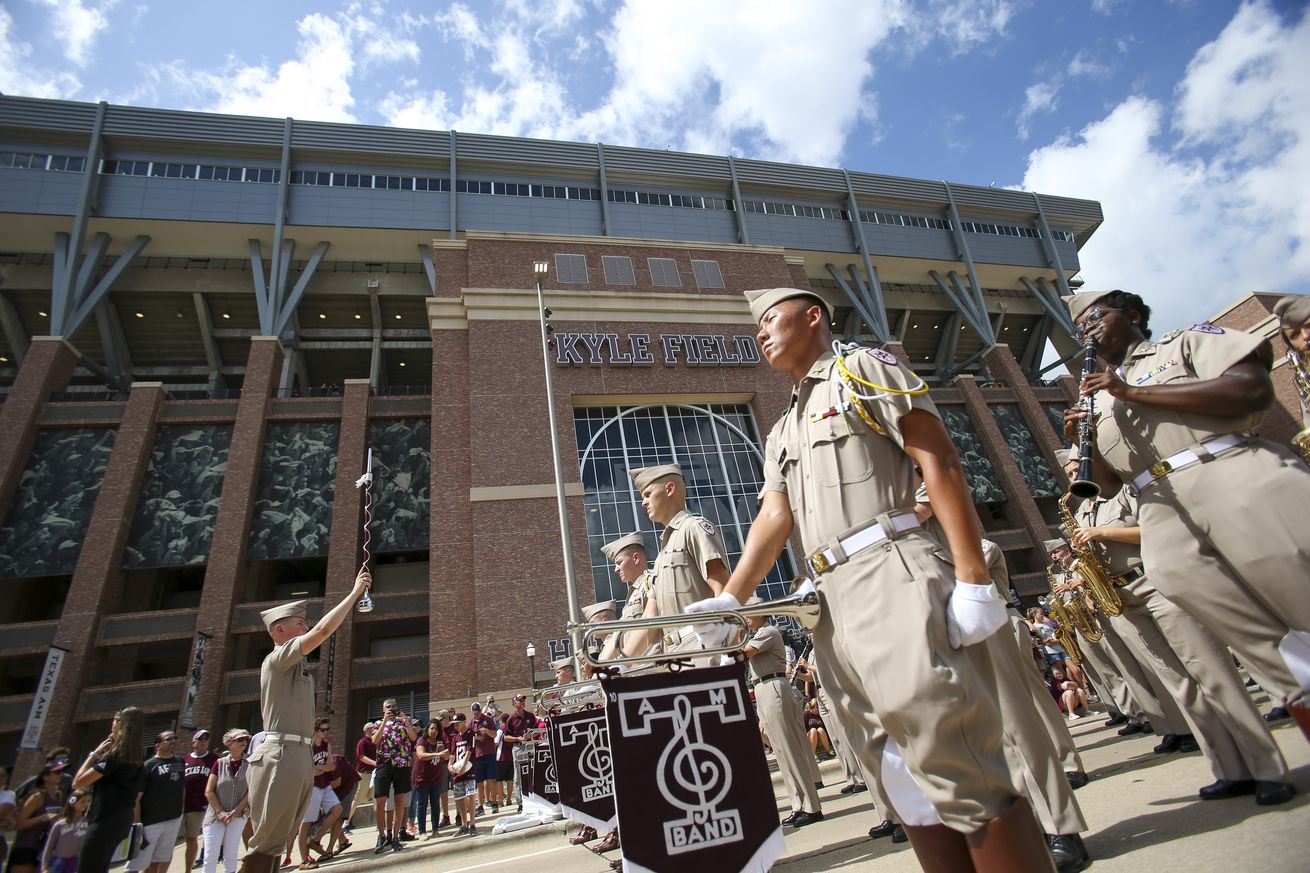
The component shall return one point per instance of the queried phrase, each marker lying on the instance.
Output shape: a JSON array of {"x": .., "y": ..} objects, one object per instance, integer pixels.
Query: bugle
[
  {"x": 802, "y": 604},
  {"x": 570, "y": 696}
]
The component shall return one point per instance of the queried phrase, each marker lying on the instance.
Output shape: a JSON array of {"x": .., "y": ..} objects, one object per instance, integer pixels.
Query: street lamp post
[
  {"x": 539, "y": 271},
  {"x": 532, "y": 664}
]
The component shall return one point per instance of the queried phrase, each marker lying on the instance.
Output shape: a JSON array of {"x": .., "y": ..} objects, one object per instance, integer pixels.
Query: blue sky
[{"x": 1189, "y": 120}]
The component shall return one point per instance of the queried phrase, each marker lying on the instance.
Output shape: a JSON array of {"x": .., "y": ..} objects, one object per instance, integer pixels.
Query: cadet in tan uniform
[
  {"x": 1293, "y": 314},
  {"x": 281, "y": 772},
  {"x": 692, "y": 563},
  {"x": 1029, "y": 726},
  {"x": 632, "y": 567},
  {"x": 783, "y": 721},
  {"x": 1190, "y": 662},
  {"x": 1222, "y": 512},
  {"x": 840, "y": 468}
]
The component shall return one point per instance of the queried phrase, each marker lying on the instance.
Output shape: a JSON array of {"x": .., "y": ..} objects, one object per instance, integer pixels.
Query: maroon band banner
[
  {"x": 545, "y": 784},
  {"x": 581, "y": 745},
  {"x": 710, "y": 805}
]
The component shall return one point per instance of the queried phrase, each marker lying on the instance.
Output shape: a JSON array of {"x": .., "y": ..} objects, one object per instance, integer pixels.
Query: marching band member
[
  {"x": 840, "y": 468},
  {"x": 1293, "y": 314},
  {"x": 633, "y": 568},
  {"x": 1222, "y": 512},
  {"x": 782, "y": 719}
]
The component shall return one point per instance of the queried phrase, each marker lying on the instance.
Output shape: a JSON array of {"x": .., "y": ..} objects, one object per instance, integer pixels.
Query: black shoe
[
  {"x": 849, "y": 789},
  {"x": 1188, "y": 743},
  {"x": 1077, "y": 779},
  {"x": 1132, "y": 728},
  {"x": 520, "y": 808},
  {"x": 462, "y": 830},
  {"x": 495, "y": 807},
  {"x": 1169, "y": 743},
  {"x": 407, "y": 836},
  {"x": 899, "y": 835},
  {"x": 1146, "y": 728},
  {"x": 800, "y": 818},
  {"x": 1116, "y": 720},
  {"x": 886, "y": 829},
  {"x": 1226, "y": 788},
  {"x": 479, "y": 810},
  {"x": 1278, "y": 713},
  {"x": 1270, "y": 793},
  {"x": 445, "y": 821},
  {"x": 1251, "y": 683},
  {"x": 395, "y": 845},
  {"x": 818, "y": 785},
  {"x": 859, "y": 787},
  {"x": 383, "y": 842},
  {"x": 473, "y": 830},
  {"x": 1068, "y": 852}
]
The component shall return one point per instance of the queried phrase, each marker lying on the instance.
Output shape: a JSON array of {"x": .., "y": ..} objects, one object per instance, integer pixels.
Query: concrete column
[
  {"x": 453, "y": 622},
  {"x": 98, "y": 578},
  {"x": 47, "y": 367},
  {"x": 344, "y": 554},
  {"x": 1002, "y": 364},
  {"x": 1021, "y": 503},
  {"x": 226, "y": 571}
]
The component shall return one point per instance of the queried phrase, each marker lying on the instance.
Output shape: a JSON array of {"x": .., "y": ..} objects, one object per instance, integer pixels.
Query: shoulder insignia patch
[
  {"x": 884, "y": 356},
  {"x": 706, "y": 525},
  {"x": 1206, "y": 328}
]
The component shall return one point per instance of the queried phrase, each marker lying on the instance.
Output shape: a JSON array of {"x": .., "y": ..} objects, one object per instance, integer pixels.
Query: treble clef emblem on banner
[
  {"x": 692, "y": 774},
  {"x": 595, "y": 764}
]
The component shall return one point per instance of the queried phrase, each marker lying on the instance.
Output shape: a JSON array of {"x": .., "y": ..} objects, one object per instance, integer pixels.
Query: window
[
  {"x": 571, "y": 269},
  {"x": 664, "y": 272},
  {"x": 718, "y": 447},
  {"x": 618, "y": 270},
  {"x": 707, "y": 274}
]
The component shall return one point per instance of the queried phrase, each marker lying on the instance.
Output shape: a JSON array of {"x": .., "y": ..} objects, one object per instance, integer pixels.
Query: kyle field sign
[{"x": 638, "y": 350}]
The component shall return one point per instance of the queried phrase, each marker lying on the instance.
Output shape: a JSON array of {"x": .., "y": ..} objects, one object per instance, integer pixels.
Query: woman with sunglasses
[
  {"x": 229, "y": 803},
  {"x": 115, "y": 769}
]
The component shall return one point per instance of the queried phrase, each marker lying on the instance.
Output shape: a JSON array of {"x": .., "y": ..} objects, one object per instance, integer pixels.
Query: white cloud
[
  {"x": 1104, "y": 7},
  {"x": 1038, "y": 99},
  {"x": 19, "y": 74},
  {"x": 1085, "y": 65},
  {"x": 77, "y": 26},
  {"x": 1204, "y": 211},
  {"x": 967, "y": 23}
]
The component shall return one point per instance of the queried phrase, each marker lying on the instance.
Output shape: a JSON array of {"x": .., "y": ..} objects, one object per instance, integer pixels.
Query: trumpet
[
  {"x": 574, "y": 695},
  {"x": 802, "y": 604}
]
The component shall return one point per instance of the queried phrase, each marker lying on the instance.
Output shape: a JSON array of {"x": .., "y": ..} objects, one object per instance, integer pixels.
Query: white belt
[
  {"x": 275, "y": 737},
  {"x": 825, "y": 559},
  {"x": 678, "y": 635},
  {"x": 1185, "y": 458}
]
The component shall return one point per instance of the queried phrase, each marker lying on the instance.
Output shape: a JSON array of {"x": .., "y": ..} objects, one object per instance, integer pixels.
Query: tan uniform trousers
[
  {"x": 783, "y": 722},
  {"x": 1147, "y": 689},
  {"x": 281, "y": 778},
  {"x": 1200, "y": 676},
  {"x": 1111, "y": 686},
  {"x": 887, "y": 663},
  {"x": 1029, "y": 748},
  {"x": 840, "y": 744},
  {"x": 1047, "y": 709},
  {"x": 1238, "y": 557}
]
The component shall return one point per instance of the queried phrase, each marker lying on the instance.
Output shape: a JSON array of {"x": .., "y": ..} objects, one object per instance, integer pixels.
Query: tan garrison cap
[
  {"x": 650, "y": 475},
  {"x": 1293, "y": 310},
  {"x": 631, "y": 541},
  {"x": 764, "y": 299},
  {"x": 589, "y": 613},
  {"x": 562, "y": 662},
  {"x": 1082, "y": 301},
  {"x": 272, "y": 616},
  {"x": 1053, "y": 546}
]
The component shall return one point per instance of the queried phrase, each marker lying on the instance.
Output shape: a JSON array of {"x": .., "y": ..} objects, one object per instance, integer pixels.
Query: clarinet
[
  {"x": 795, "y": 672},
  {"x": 1085, "y": 486}
]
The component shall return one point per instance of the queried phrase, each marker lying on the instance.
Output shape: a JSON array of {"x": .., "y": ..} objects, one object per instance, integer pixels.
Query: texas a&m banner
[
  {"x": 581, "y": 747},
  {"x": 711, "y": 804}
]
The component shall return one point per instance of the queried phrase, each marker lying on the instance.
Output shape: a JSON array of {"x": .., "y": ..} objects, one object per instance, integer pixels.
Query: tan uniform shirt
[
  {"x": 1117, "y": 511},
  {"x": 687, "y": 545},
  {"x": 770, "y": 652},
  {"x": 636, "y": 602},
  {"x": 286, "y": 691},
  {"x": 823, "y": 456},
  {"x": 1131, "y": 437}
]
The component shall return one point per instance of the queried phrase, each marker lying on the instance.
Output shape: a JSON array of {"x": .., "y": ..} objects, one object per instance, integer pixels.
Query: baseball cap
[
  {"x": 459, "y": 716},
  {"x": 443, "y": 715},
  {"x": 200, "y": 734},
  {"x": 519, "y": 698},
  {"x": 477, "y": 707}
]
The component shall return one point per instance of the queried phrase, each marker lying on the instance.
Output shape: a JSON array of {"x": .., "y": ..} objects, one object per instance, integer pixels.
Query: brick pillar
[
  {"x": 47, "y": 366},
  {"x": 343, "y": 556},
  {"x": 453, "y": 618},
  {"x": 98, "y": 578},
  {"x": 1000, "y": 361},
  {"x": 226, "y": 570},
  {"x": 998, "y": 450}
]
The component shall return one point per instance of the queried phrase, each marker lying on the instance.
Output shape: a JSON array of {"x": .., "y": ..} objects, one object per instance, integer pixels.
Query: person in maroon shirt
[
  {"x": 197, "y": 766},
  {"x": 460, "y": 743},
  {"x": 429, "y": 775},
  {"x": 484, "y": 759},
  {"x": 323, "y": 801},
  {"x": 365, "y": 761},
  {"x": 517, "y": 727},
  {"x": 342, "y": 781}
]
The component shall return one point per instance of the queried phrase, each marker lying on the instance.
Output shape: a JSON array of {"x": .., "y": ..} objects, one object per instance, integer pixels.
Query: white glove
[
  {"x": 713, "y": 636},
  {"x": 973, "y": 613}
]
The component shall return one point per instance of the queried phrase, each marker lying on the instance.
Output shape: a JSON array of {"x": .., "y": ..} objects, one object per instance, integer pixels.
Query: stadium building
[{"x": 208, "y": 321}]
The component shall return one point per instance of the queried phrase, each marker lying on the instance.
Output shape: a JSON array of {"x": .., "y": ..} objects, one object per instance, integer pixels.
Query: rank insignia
[
  {"x": 884, "y": 356},
  {"x": 706, "y": 525}
]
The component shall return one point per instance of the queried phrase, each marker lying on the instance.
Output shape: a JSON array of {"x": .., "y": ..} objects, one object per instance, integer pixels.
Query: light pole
[
  {"x": 539, "y": 271},
  {"x": 532, "y": 664}
]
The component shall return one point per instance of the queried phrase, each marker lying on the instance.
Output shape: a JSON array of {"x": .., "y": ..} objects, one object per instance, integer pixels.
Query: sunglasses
[
  {"x": 168, "y": 739},
  {"x": 241, "y": 741}
]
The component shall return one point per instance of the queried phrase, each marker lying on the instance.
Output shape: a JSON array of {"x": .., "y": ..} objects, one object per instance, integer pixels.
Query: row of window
[
  {"x": 572, "y": 270},
  {"x": 209, "y": 172},
  {"x": 31, "y": 161}
]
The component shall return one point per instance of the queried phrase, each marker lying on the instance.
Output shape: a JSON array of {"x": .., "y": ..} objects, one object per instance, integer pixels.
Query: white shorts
[
  {"x": 161, "y": 837},
  {"x": 320, "y": 803}
]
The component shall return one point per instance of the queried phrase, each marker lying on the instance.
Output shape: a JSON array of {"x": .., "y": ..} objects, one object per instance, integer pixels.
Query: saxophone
[
  {"x": 1064, "y": 615},
  {"x": 1088, "y": 563},
  {"x": 1301, "y": 378}
]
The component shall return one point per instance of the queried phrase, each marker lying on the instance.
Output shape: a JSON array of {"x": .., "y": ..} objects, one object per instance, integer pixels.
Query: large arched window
[{"x": 719, "y": 449}]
